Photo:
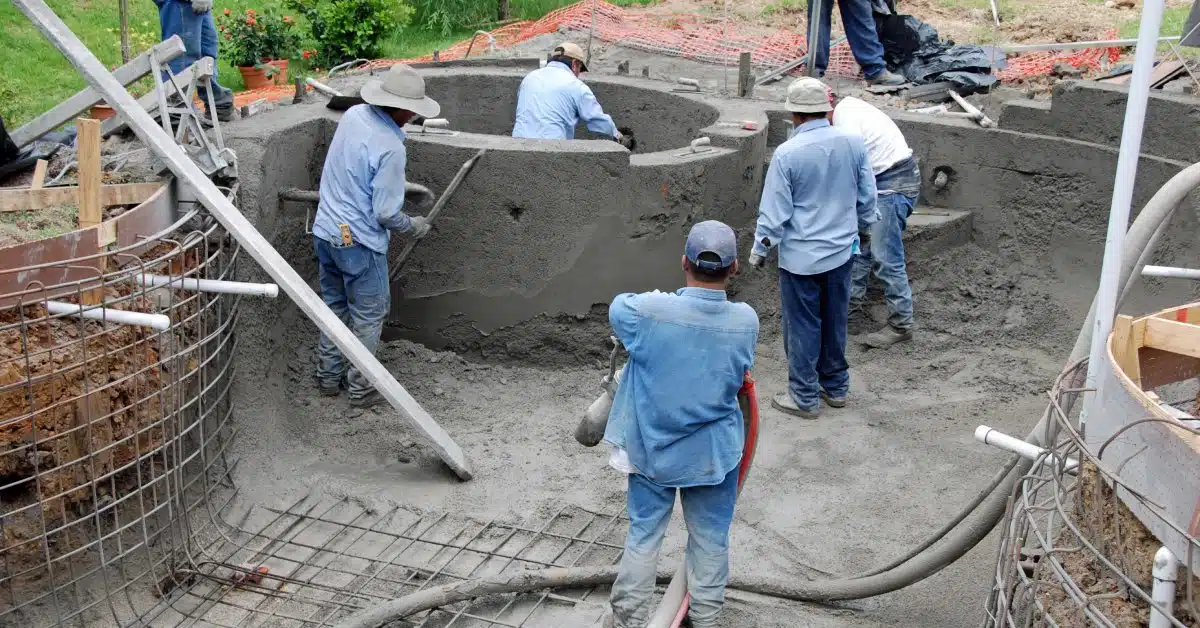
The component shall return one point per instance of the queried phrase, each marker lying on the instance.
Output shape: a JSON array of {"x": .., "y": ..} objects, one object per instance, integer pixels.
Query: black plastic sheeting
[{"x": 913, "y": 48}]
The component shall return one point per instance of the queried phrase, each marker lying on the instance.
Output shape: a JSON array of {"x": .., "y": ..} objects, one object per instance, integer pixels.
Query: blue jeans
[
  {"x": 860, "y": 31},
  {"x": 816, "y": 311},
  {"x": 199, "y": 35},
  {"x": 354, "y": 284},
  {"x": 707, "y": 512},
  {"x": 885, "y": 256}
]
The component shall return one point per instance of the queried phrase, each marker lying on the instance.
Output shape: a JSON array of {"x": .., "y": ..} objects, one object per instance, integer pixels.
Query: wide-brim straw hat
[{"x": 401, "y": 88}]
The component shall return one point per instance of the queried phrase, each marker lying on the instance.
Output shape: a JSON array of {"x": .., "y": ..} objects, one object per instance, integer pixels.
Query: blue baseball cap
[{"x": 711, "y": 236}]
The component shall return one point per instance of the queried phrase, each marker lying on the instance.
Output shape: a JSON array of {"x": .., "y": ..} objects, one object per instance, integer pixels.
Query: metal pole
[
  {"x": 1122, "y": 197},
  {"x": 240, "y": 228},
  {"x": 123, "y": 10},
  {"x": 814, "y": 35}
]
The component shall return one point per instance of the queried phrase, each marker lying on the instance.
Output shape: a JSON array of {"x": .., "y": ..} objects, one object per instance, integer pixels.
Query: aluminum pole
[{"x": 240, "y": 228}]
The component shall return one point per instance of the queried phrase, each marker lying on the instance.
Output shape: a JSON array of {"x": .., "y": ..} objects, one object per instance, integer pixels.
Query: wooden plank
[
  {"x": 149, "y": 102},
  {"x": 90, "y": 173},
  {"x": 1159, "y": 368},
  {"x": 745, "y": 76},
  {"x": 1173, "y": 336},
  {"x": 24, "y": 199},
  {"x": 76, "y": 105},
  {"x": 39, "y": 174},
  {"x": 1125, "y": 346},
  {"x": 1165, "y": 72},
  {"x": 241, "y": 229}
]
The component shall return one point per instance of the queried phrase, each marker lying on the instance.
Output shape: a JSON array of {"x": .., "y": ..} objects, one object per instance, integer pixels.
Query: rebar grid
[
  {"x": 318, "y": 560},
  {"x": 111, "y": 434},
  {"x": 1048, "y": 539}
]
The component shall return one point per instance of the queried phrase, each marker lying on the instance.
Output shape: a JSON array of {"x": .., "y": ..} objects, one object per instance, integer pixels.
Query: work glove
[
  {"x": 420, "y": 226},
  {"x": 756, "y": 261},
  {"x": 625, "y": 138},
  {"x": 201, "y": 6}
]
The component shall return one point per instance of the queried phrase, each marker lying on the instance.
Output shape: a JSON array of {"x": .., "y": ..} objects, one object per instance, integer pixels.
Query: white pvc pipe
[
  {"x": 109, "y": 315},
  {"x": 1165, "y": 570},
  {"x": 1170, "y": 271},
  {"x": 1122, "y": 198},
  {"x": 1029, "y": 451},
  {"x": 435, "y": 123},
  {"x": 209, "y": 285},
  {"x": 683, "y": 80},
  {"x": 321, "y": 87}
]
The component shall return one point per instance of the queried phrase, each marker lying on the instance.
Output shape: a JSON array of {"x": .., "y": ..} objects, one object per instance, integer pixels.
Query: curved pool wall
[{"x": 542, "y": 235}]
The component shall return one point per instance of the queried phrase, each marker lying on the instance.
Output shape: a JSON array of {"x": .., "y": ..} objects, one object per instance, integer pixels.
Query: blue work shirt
[
  {"x": 552, "y": 100},
  {"x": 676, "y": 411},
  {"x": 818, "y": 194},
  {"x": 362, "y": 183}
]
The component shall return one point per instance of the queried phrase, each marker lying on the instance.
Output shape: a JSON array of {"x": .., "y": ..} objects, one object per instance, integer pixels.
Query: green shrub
[{"x": 351, "y": 29}]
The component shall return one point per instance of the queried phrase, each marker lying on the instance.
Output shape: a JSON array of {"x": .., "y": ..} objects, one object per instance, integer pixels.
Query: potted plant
[{"x": 259, "y": 43}]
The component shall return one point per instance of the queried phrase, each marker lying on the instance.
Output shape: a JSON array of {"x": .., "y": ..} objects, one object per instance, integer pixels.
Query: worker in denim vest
[
  {"x": 675, "y": 424},
  {"x": 193, "y": 22},
  {"x": 897, "y": 186},
  {"x": 818, "y": 204},
  {"x": 361, "y": 203}
]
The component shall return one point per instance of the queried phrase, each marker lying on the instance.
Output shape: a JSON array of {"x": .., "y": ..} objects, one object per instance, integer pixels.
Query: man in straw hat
[
  {"x": 552, "y": 100},
  {"x": 361, "y": 202},
  {"x": 818, "y": 200}
]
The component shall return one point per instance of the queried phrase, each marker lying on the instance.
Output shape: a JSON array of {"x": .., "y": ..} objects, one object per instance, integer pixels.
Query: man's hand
[
  {"x": 864, "y": 240},
  {"x": 201, "y": 6},
  {"x": 756, "y": 261},
  {"x": 420, "y": 226}
]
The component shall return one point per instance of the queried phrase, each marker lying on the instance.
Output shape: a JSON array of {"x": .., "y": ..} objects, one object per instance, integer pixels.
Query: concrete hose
[{"x": 1140, "y": 240}]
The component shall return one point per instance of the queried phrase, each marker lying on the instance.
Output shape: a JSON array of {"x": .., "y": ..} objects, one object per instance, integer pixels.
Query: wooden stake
[
  {"x": 745, "y": 76},
  {"x": 90, "y": 182},
  {"x": 39, "y": 174}
]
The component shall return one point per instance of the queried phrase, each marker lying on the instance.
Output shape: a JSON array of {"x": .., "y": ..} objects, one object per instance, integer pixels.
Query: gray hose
[{"x": 1142, "y": 236}]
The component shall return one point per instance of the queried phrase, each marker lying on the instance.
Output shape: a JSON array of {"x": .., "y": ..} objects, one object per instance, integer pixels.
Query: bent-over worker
[
  {"x": 818, "y": 192},
  {"x": 675, "y": 424},
  {"x": 897, "y": 186},
  {"x": 361, "y": 202},
  {"x": 552, "y": 100}
]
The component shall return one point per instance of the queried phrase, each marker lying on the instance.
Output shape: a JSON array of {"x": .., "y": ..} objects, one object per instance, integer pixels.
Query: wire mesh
[
  {"x": 1068, "y": 541},
  {"x": 110, "y": 434},
  {"x": 320, "y": 559}
]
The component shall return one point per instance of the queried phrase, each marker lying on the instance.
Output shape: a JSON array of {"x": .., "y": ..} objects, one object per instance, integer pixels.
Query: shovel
[{"x": 433, "y": 214}]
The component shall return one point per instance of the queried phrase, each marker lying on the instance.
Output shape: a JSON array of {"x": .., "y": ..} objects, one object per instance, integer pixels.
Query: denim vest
[{"x": 676, "y": 412}]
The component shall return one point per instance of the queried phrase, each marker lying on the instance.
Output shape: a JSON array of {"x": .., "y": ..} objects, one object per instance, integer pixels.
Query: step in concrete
[{"x": 932, "y": 230}]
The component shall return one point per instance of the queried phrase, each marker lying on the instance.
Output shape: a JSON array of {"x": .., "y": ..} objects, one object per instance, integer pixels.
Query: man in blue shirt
[
  {"x": 193, "y": 22},
  {"x": 552, "y": 100},
  {"x": 362, "y": 195},
  {"x": 675, "y": 424},
  {"x": 818, "y": 200}
]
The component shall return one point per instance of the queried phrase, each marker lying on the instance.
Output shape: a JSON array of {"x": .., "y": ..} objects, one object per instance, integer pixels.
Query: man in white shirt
[{"x": 898, "y": 184}]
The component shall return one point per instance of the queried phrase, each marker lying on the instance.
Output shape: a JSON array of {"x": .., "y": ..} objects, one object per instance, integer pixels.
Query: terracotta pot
[
  {"x": 101, "y": 112},
  {"x": 255, "y": 78}
]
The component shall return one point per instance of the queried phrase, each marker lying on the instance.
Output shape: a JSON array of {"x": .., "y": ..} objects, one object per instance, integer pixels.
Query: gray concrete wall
[{"x": 1095, "y": 112}]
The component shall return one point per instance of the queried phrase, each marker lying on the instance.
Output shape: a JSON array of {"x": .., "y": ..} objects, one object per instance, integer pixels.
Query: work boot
[
  {"x": 224, "y": 113},
  {"x": 887, "y": 78},
  {"x": 834, "y": 402},
  {"x": 784, "y": 402},
  {"x": 887, "y": 337},
  {"x": 328, "y": 389},
  {"x": 368, "y": 400}
]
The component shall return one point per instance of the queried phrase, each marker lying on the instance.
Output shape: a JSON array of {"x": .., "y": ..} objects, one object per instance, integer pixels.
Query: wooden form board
[{"x": 25, "y": 199}]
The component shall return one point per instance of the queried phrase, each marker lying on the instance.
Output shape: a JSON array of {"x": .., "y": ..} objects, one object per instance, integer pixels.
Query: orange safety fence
[{"x": 699, "y": 38}]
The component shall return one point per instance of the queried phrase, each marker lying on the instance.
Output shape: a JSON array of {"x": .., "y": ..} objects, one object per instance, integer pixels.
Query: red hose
[{"x": 748, "y": 401}]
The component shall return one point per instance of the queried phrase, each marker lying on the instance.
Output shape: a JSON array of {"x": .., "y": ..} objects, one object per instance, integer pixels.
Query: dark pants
[
  {"x": 860, "y": 31},
  {"x": 816, "y": 310},
  {"x": 199, "y": 37},
  {"x": 354, "y": 284}
]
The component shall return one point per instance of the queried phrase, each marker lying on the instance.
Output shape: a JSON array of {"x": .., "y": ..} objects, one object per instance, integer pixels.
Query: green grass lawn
[{"x": 34, "y": 76}]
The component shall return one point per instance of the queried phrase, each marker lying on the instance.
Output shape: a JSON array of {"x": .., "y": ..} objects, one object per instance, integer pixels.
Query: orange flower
[
  {"x": 226, "y": 11},
  {"x": 287, "y": 19},
  {"x": 250, "y": 21},
  {"x": 307, "y": 54},
  {"x": 249, "y": 11}
]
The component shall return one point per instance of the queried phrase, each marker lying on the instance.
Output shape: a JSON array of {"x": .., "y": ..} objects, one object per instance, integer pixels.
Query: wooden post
[
  {"x": 39, "y": 174},
  {"x": 503, "y": 13},
  {"x": 745, "y": 76},
  {"x": 90, "y": 182},
  {"x": 123, "y": 13}
]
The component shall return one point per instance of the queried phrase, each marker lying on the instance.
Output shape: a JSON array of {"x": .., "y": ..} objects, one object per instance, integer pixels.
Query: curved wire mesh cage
[{"x": 114, "y": 391}]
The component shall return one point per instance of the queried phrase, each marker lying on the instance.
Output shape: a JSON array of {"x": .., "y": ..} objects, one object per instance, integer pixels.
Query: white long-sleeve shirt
[
  {"x": 886, "y": 146},
  {"x": 553, "y": 100}
]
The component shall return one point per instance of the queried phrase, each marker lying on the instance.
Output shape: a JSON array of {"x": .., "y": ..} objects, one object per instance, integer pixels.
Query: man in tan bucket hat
[
  {"x": 552, "y": 100},
  {"x": 362, "y": 198}
]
